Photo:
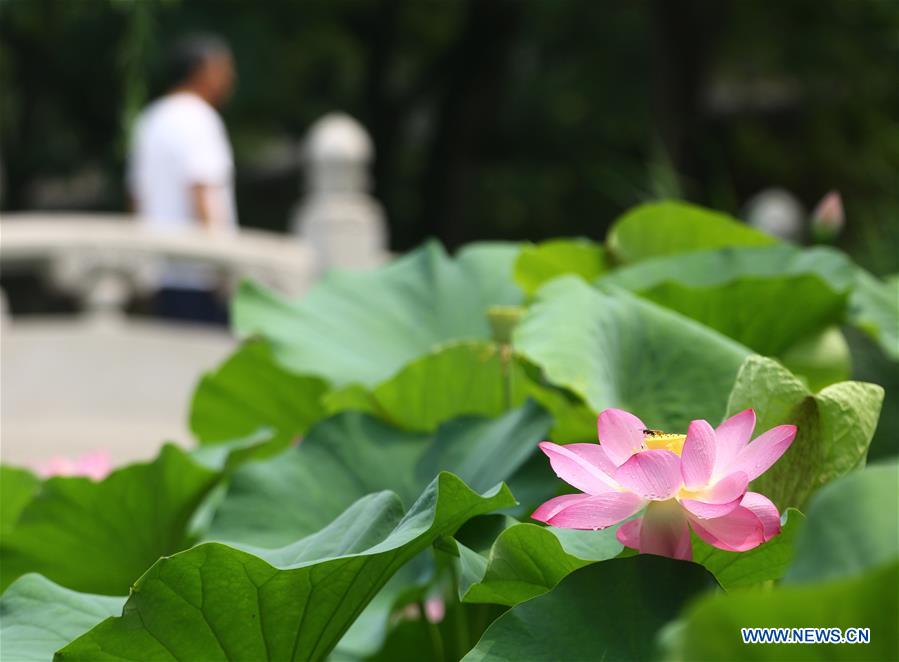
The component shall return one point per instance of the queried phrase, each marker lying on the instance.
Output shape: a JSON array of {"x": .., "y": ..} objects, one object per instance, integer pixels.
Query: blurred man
[{"x": 181, "y": 170}]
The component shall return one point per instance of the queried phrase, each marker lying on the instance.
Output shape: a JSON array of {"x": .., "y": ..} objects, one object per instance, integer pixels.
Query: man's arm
[{"x": 207, "y": 206}]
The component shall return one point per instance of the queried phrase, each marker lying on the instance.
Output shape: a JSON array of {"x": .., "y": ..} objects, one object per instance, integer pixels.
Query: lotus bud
[{"x": 828, "y": 217}]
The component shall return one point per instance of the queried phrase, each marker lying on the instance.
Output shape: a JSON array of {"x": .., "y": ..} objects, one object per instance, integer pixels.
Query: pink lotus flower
[
  {"x": 95, "y": 465},
  {"x": 696, "y": 480}
]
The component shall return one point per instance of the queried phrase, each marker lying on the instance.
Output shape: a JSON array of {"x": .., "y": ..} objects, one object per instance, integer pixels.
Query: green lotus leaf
[
  {"x": 874, "y": 308},
  {"x": 527, "y": 560},
  {"x": 541, "y": 263},
  {"x": 604, "y": 611},
  {"x": 616, "y": 350},
  {"x": 768, "y": 298},
  {"x": 711, "y": 629},
  {"x": 250, "y": 391},
  {"x": 343, "y": 458},
  {"x": 98, "y": 537},
  {"x": 853, "y": 526},
  {"x": 668, "y": 228},
  {"x": 17, "y": 488},
  {"x": 216, "y": 602},
  {"x": 464, "y": 378},
  {"x": 835, "y": 427},
  {"x": 38, "y": 617},
  {"x": 362, "y": 327}
]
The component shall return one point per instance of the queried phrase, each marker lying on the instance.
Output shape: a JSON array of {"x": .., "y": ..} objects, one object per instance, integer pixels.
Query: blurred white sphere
[
  {"x": 338, "y": 137},
  {"x": 777, "y": 212}
]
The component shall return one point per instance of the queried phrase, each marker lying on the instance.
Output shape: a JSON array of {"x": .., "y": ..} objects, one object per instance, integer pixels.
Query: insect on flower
[{"x": 698, "y": 480}]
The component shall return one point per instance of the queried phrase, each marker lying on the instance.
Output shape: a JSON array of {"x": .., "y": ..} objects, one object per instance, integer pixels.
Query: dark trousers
[{"x": 190, "y": 305}]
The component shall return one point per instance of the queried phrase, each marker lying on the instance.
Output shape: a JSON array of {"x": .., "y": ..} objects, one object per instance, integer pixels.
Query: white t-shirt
[{"x": 179, "y": 141}]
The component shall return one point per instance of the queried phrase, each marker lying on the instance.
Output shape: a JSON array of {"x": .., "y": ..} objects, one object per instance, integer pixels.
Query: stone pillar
[
  {"x": 776, "y": 212},
  {"x": 338, "y": 217},
  {"x": 4, "y": 308}
]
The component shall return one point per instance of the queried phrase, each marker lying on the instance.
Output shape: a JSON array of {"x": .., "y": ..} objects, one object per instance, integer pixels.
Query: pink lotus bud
[
  {"x": 95, "y": 465},
  {"x": 828, "y": 217},
  {"x": 435, "y": 609}
]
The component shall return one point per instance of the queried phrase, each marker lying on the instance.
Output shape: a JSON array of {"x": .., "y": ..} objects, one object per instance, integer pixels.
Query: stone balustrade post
[{"x": 337, "y": 216}]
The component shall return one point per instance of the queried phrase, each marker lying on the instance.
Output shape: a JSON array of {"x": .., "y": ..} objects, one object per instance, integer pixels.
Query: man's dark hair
[{"x": 189, "y": 53}]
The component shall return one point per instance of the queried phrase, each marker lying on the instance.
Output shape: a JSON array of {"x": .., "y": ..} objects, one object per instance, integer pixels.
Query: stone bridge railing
[{"x": 104, "y": 259}]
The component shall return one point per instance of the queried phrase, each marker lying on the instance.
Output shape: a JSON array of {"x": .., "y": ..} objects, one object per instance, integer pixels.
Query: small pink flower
[
  {"x": 95, "y": 465},
  {"x": 435, "y": 609},
  {"x": 696, "y": 480},
  {"x": 828, "y": 217}
]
